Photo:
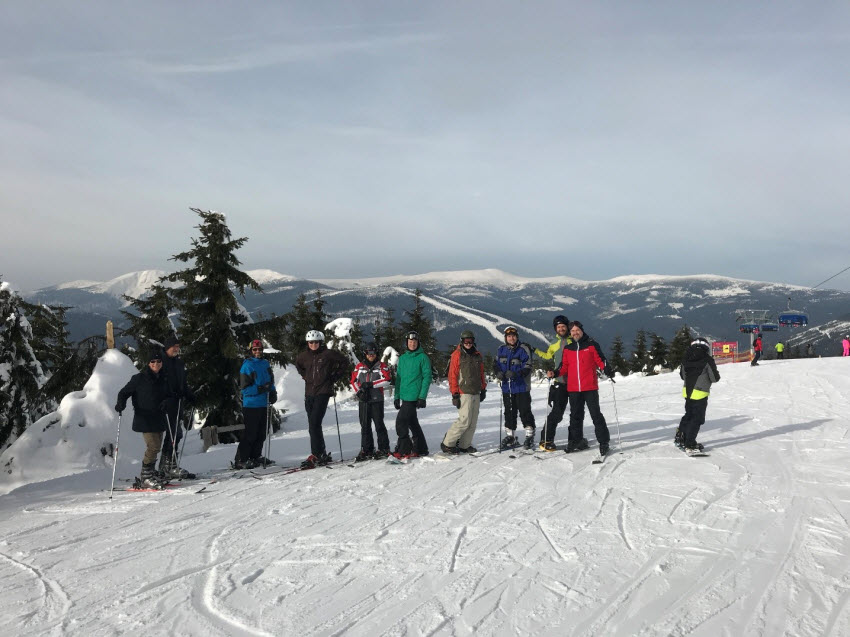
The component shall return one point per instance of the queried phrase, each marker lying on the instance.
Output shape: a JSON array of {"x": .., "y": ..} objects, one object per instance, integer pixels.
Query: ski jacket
[
  {"x": 580, "y": 361},
  {"x": 757, "y": 345},
  {"x": 257, "y": 382},
  {"x": 780, "y": 347},
  {"x": 175, "y": 379},
  {"x": 517, "y": 360},
  {"x": 466, "y": 371},
  {"x": 320, "y": 370},
  {"x": 413, "y": 376},
  {"x": 699, "y": 371},
  {"x": 148, "y": 392},
  {"x": 376, "y": 373},
  {"x": 555, "y": 353},
  {"x": 846, "y": 345}
]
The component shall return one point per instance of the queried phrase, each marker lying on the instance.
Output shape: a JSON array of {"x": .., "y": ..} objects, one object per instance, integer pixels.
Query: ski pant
[
  {"x": 173, "y": 423},
  {"x": 692, "y": 420},
  {"x": 254, "y": 435},
  {"x": 780, "y": 355},
  {"x": 559, "y": 397},
  {"x": 410, "y": 436},
  {"x": 521, "y": 403},
  {"x": 153, "y": 443},
  {"x": 373, "y": 412},
  {"x": 316, "y": 406},
  {"x": 462, "y": 430},
  {"x": 756, "y": 359},
  {"x": 578, "y": 399}
]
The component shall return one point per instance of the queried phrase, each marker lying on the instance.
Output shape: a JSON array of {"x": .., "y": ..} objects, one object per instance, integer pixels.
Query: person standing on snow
[
  {"x": 413, "y": 378},
  {"x": 699, "y": 371},
  {"x": 148, "y": 391},
  {"x": 179, "y": 396},
  {"x": 581, "y": 359},
  {"x": 846, "y": 345},
  {"x": 512, "y": 367},
  {"x": 780, "y": 350},
  {"x": 320, "y": 368},
  {"x": 469, "y": 387},
  {"x": 258, "y": 395},
  {"x": 368, "y": 380},
  {"x": 757, "y": 351},
  {"x": 558, "y": 389}
]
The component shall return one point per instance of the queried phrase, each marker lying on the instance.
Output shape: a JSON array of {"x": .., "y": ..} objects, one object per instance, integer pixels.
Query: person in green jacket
[
  {"x": 413, "y": 377},
  {"x": 558, "y": 398}
]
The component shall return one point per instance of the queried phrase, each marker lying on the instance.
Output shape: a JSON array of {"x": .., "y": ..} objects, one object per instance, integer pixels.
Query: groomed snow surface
[{"x": 753, "y": 540}]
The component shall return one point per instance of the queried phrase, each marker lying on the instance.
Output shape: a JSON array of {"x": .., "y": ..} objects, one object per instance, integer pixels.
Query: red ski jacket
[
  {"x": 579, "y": 364},
  {"x": 377, "y": 373}
]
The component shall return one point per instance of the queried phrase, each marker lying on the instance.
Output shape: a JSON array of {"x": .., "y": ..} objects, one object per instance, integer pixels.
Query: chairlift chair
[{"x": 793, "y": 318}]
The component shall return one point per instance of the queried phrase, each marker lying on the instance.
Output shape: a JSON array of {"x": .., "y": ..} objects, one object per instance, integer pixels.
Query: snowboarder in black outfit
[
  {"x": 179, "y": 397},
  {"x": 698, "y": 371}
]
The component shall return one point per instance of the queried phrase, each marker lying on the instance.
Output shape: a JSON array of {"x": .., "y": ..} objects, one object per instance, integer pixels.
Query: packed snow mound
[{"x": 78, "y": 436}]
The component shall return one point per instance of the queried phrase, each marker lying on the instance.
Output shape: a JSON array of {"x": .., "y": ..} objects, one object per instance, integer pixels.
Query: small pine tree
[
  {"x": 318, "y": 317},
  {"x": 21, "y": 375},
  {"x": 152, "y": 324},
  {"x": 617, "y": 360},
  {"x": 678, "y": 346},
  {"x": 211, "y": 316},
  {"x": 300, "y": 321},
  {"x": 52, "y": 349},
  {"x": 390, "y": 332},
  {"x": 657, "y": 356},
  {"x": 356, "y": 336},
  {"x": 640, "y": 357},
  {"x": 418, "y": 322}
]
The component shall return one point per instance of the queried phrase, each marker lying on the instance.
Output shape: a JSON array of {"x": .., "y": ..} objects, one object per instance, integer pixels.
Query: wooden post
[{"x": 110, "y": 338}]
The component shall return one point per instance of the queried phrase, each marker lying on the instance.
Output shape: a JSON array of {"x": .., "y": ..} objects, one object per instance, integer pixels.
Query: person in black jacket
[
  {"x": 179, "y": 397},
  {"x": 699, "y": 371},
  {"x": 148, "y": 391}
]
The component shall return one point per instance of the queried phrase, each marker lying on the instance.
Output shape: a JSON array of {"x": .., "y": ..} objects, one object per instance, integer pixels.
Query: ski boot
[
  {"x": 577, "y": 445},
  {"x": 263, "y": 462},
  {"x": 469, "y": 449},
  {"x": 453, "y": 451},
  {"x": 381, "y": 454},
  {"x": 528, "y": 443},
  {"x": 603, "y": 448},
  {"x": 509, "y": 442},
  {"x": 324, "y": 459},
  {"x": 546, "y": 445},
  {"x": 364, "y": 455},
  {"x": 679, "y": 439},
  {"x": 310, "y": 462},
  {"x": 149, "y": 478}
]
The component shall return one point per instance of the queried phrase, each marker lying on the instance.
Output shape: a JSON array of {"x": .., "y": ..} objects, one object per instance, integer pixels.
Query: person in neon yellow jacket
[
  {"x": 558, "y": 399},
  {"x": 780, "y": 350},
  {"x": 699, "y": 371}
]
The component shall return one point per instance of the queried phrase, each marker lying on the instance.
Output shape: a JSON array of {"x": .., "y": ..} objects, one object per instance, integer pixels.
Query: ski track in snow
[{"x": 753, "y": 540}]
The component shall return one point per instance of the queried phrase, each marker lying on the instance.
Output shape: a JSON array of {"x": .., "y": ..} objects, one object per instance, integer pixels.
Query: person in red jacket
[
  {"x": 756, "y": 351},
  {"x": 368, "y": 379},
  {"x": 580, "y": 361}
]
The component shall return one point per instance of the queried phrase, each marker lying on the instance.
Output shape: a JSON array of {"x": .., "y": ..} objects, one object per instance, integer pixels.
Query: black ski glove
[
  {"x": 482, "y": 395},
  {"x": 510, "y": 374},
  {"x": 456, "y": 400},
  {"x": 397, "y": 403},
  {"x": 500, "y": 376},
  {"x": 552, "y": 391},
  {"x": 119, "y": 408},
  {"x": 272, "y": 397},
  {"x": 361, "y": 394},
  {"x": 608, "y": 372},
  {"x": 264, "y": 388},
  {"x": 420, "y": 404}
]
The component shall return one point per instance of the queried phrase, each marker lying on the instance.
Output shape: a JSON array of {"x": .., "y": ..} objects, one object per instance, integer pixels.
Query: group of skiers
[{"x": 160, "y": 392}]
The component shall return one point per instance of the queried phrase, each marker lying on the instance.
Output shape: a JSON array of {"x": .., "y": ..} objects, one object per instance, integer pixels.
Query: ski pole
[
  {"x": 513, "y": 407},
  {"x": 183, "y": 444},
  {"x": 339, "y": 435},
  {"x": 171, "y": 433},
  {"x": 174, "y": 437},
  {"x": 268, "y": 436},
  {"x": 501, "y": 408},
  {"x": 616, "y": 415},
  {"x": 115, "y": 457},
  {"x": 548, "y": 410}
]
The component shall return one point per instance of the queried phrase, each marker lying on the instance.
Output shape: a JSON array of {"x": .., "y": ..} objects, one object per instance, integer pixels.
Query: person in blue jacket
[
  {"x": 258, "y": 393},
  {"x": 512, "y": 369}
]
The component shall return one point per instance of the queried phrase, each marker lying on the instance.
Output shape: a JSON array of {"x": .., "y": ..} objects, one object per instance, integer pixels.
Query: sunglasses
[
  {"x": 256, "y": 349},
  {"x": 468, "y": 341}
]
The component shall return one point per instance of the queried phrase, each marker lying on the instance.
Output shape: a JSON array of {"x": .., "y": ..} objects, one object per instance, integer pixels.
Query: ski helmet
[
  {"x": 412, "y": 335},
  {"x": 560, "y": 320},
  {"x": 467, "y": 334},
  {"x": 370, "y": 348},
  {"x": 701, "y": 342},
  {"x": 314, "y": 336},
  {"x": 256, "y": 343},
  {"x": 510, "y": 329}
]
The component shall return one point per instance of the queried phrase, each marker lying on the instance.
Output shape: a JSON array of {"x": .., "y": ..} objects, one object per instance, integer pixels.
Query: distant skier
[
  {"x": 810, "y": 350},
  {"x": 581, "y": 359},
  {"x": 756, "y": 351},
  {"x": 468, "y": 386},
  {"x": 320, "y": 368},
  {"x": 512, "y": 368},
  {"x": 846, "y": 345},
  {"x": 180, "y": 396},
  {"x": 780, "y": 350},
  {"x": 413, "y": 378},
  {"x": 148, "y": 391},
  {"x": 699, "y": 371},
  {"x": 258, "y": 394},
  {"x": 558, "y": 399},
  {"x": 368, "y": 380}
]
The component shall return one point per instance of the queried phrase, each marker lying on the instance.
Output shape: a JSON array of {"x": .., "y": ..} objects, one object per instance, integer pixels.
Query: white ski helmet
[{"x": 315, "y": 335}]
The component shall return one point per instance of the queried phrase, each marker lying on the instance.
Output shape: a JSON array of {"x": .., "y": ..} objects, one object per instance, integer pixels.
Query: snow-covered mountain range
[{"x": 487, "y": 300}]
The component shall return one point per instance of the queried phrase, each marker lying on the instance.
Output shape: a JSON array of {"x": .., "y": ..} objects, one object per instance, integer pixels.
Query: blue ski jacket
[
  {"x": 517, "y": 360},
  {"x": 257, "y": 382}
]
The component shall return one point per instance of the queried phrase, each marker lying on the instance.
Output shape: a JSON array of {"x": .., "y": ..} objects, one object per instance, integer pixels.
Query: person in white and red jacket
[
  {"x": 581, "y": 359},
  {"x": 369, "y": 379}
]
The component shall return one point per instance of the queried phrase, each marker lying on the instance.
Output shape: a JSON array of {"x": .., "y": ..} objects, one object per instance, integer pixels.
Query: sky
[{"x": 376, "y": 138}]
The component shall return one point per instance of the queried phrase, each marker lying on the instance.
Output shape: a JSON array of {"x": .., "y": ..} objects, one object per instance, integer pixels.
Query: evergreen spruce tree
[
  {"x": 678, "y": 346},
  {"x": 356, "y": 336},
  {"x": 390, "y": 331},
  {"x": 21, "y": 375},
  {"x": 52, "y": 349},
  {"x": 657, "y": 356},
  {"x": 300, "y": 319},
  {"x": 152, "y": 324},
  {"x": 418, "y": 322},
  {"x": 640, "y": 357},
  {"x": 318, "y": 317},
  {"x": 617, "y": 360},
  {"x": 211, "y": 317}
]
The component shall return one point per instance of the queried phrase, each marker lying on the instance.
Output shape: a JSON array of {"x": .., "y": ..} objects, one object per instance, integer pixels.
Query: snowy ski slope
[{"x": 753, "y": 540}]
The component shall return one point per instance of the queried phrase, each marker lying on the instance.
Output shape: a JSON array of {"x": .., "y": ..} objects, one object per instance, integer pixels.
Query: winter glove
[
  {"x": 500, "y": 376},
  {"x": 397, "y": 403},
  {"x": 510, "y": 374},
  {"x": 420, "y": 404},
  {"x": 362, "y": 394},
  {"x": 163, "y": 406},
  {"x": 482, "y": 395},
  {"x": 608, "y": 372},
  {"x": 552, "y": 391},
  {"x": 119, "y": 408},
  {"x": 264, "y": 388},
  {"x": 272, "y": 397},
  {"x": 456, "y": 400}
]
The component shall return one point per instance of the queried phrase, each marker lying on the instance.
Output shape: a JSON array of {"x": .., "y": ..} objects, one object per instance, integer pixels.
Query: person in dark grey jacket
[{"x": 699, "y": 371}]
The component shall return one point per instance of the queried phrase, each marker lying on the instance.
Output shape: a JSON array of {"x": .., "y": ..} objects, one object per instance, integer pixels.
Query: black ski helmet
[
  {"x": 467, "y": 334},
  {"x": 701, "y": 342},
  {"x": 412, "y": 334},
  {"x": 370, "y": 348},
  {"x": 560, "y": 320}
]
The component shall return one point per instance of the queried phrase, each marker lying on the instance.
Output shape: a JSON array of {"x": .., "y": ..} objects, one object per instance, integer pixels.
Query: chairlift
[
  {"x": 770, "y": 327},
  {"x": 793, "y": 318},
  {"x": 749, "y": 328}
]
